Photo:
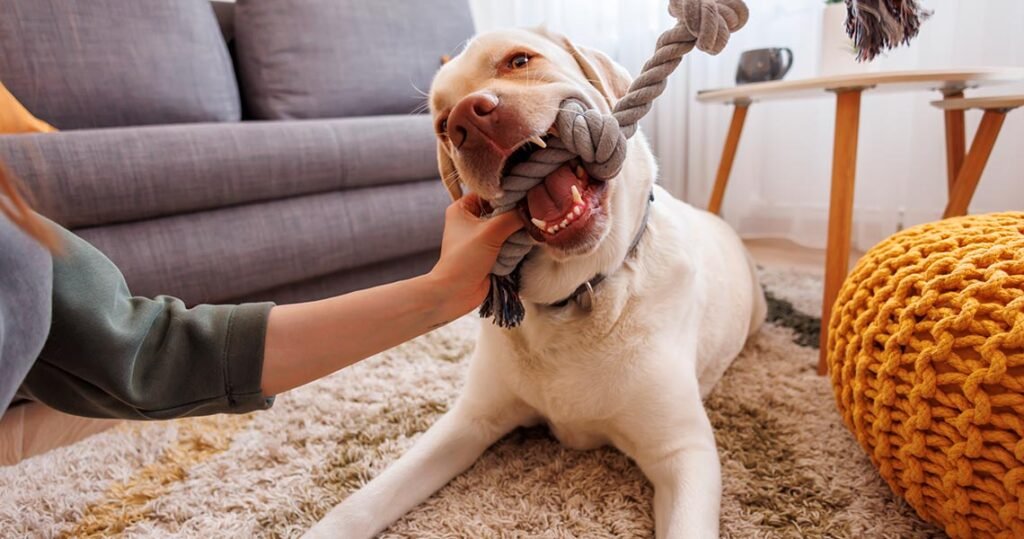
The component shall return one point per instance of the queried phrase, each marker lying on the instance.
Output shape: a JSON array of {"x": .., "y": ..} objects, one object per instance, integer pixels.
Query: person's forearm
[{"x": 307, "y": 341}]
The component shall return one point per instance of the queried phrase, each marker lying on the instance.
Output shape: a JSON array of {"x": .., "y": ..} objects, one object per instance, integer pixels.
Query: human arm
[
  {"x": 111, "y": 354},
  {"x": 307, "y": 341}
]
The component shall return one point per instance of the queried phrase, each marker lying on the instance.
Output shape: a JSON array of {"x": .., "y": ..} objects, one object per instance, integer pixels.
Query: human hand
[{"x": 468, "y": 251}]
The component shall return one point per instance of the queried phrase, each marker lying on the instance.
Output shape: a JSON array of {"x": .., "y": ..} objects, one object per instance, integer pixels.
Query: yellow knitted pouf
[{"x": 926, "y": 354}]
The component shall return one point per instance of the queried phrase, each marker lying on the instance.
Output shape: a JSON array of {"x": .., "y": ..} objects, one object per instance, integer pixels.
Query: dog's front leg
[
  {"x": 687, "y": 477},
  {"x": 447, "y": 449}
]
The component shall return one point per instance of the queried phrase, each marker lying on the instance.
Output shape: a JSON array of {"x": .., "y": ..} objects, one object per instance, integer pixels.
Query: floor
[
  {"x": 789, "y": 466},
  {"x": 18, "y": 441},
  {"x": 779, "y": 253}
]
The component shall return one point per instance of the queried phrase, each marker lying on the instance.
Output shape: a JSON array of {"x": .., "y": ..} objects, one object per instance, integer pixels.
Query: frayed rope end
[
  {"x": 503, "y": 301},
  {"x": 877, "y": 25}
]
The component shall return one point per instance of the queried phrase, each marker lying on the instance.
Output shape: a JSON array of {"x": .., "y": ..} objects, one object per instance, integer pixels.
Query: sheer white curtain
[{"x": 780, "y": 181}]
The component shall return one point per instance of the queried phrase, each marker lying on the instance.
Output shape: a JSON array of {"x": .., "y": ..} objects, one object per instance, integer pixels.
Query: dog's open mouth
[{"x": 560, "y": 207}]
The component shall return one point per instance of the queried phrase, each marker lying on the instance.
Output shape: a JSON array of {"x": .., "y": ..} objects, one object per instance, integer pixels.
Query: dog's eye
[
  {"x": 519, "y": 61},
  {"x": 442, "y": 127}
]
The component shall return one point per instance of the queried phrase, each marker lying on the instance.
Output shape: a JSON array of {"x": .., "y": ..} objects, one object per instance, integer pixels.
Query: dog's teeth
[
  {"x": 580, "y": 173},
  {"x": 538, "y": 141},
  {"x": 565, "y": 223},
  {"x": 539, "y": 224},
  {"x": 576, "y": 196},
  {"x": 578, "y": 210},
  {"x": 552, "y": 230}
]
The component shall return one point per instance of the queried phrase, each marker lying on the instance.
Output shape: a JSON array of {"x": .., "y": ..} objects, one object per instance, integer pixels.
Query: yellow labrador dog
[{"x": 627, "y": 363}]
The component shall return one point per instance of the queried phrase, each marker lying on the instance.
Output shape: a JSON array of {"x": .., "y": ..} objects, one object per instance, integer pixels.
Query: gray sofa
[{"x": 281, "y": 160}]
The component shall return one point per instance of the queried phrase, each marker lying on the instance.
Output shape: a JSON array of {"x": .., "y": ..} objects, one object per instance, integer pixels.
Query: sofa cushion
[
  {"x": 224, "y": 10},
  {"x": 215, "y": 256},
  {"x": 98, "y": 176},
  {"x": 333, "y": 58},
  {"x": 100, "y": 63}
]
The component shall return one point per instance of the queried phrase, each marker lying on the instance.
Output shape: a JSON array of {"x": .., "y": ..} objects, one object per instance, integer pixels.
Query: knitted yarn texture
[{"x": 926, "y": 354}]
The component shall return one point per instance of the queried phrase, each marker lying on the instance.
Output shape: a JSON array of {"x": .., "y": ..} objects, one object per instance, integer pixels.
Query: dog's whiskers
[
  {"x": 451, "y": 179},
  {"x": 421, "y": 92},
  {"x": 421, "y": 108}
]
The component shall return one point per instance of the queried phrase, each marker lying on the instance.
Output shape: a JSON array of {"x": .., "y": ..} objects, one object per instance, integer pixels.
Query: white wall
[
  {"x": 780, "y": 182},
  {"x": 781, "y": 177}
]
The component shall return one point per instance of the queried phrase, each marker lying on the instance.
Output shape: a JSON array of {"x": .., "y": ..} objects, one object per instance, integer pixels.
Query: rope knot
[
  {"x": 710, "y": 21},
  {"x": 596, "y": 138},
  {"x": 599, "y": 140}
]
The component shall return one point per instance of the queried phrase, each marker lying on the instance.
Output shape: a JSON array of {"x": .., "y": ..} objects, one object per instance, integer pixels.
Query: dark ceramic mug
[{"x": 760, "y": 65}]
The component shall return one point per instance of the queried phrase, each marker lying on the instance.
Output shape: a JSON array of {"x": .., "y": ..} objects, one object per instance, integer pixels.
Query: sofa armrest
[{"x": 102, "y": 176}]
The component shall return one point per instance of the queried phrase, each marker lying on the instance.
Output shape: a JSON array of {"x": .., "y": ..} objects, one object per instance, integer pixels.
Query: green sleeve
[{"x": 109, "y": 354}]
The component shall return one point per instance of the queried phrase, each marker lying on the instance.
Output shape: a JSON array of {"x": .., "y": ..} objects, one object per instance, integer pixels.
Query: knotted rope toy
[{"x": 599, "y": 140}]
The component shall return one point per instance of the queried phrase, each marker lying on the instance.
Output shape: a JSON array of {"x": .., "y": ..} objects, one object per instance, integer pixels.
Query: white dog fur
[{"x": 665, "y": 324}]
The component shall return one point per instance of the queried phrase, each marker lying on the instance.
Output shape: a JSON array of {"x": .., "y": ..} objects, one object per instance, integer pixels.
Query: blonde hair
[{"x": 14, "y": 206}]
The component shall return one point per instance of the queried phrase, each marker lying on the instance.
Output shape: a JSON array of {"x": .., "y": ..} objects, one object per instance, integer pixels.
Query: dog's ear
[
  {"x": 607, "y": 76},
  {"x": 449, "y": 176},
  {"x": 611, "y": 79}
]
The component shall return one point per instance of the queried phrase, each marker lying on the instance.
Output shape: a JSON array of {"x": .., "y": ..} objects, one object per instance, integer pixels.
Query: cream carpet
[{"x": 790, "y": 468}]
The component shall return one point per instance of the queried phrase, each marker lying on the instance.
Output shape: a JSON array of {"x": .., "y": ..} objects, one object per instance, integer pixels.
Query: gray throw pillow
[
  {"x": 102, "y": 63},
  {"x": 333, "y": 58}
]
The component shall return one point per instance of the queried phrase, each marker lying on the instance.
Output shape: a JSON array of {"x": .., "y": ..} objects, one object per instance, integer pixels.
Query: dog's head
[{"x": 503, "y": 91}]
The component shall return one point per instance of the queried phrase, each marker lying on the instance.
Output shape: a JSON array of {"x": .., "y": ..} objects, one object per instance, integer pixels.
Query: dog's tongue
[{"x": 552, "y": 198}]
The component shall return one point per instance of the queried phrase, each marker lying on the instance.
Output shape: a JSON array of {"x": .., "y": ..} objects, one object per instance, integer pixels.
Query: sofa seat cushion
[
  {"x": 100, "y": 63},
  {"x": 215, "y": 256},
  {"x": 93, "y": 177},
  {"x": 333, "y": 58}
]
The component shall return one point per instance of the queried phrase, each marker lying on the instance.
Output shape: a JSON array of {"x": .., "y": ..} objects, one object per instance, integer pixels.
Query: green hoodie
[{"x": 110, "y": 354}]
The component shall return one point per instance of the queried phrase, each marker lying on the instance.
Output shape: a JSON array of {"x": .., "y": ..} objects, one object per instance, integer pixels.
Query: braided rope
[
  {"x": 926, "y": 354},
  {"x": 599, "y": 140}
]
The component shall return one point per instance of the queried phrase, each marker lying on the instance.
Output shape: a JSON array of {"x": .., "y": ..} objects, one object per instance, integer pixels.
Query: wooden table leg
[
  {"x": 974, "y": 164},
  {"x": 955, "y": 141},
  {"x": 732, "y": 141},
  {"x": 840, "y": 215}
]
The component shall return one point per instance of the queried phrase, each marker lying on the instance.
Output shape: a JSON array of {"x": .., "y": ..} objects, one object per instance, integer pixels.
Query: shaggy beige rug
[{"x": 790, "y": 468}]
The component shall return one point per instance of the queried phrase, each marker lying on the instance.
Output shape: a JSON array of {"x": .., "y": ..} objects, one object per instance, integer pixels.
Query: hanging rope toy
[
  {"x": 599, "y": 140},
  {"x": 882, "y": 24}
]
